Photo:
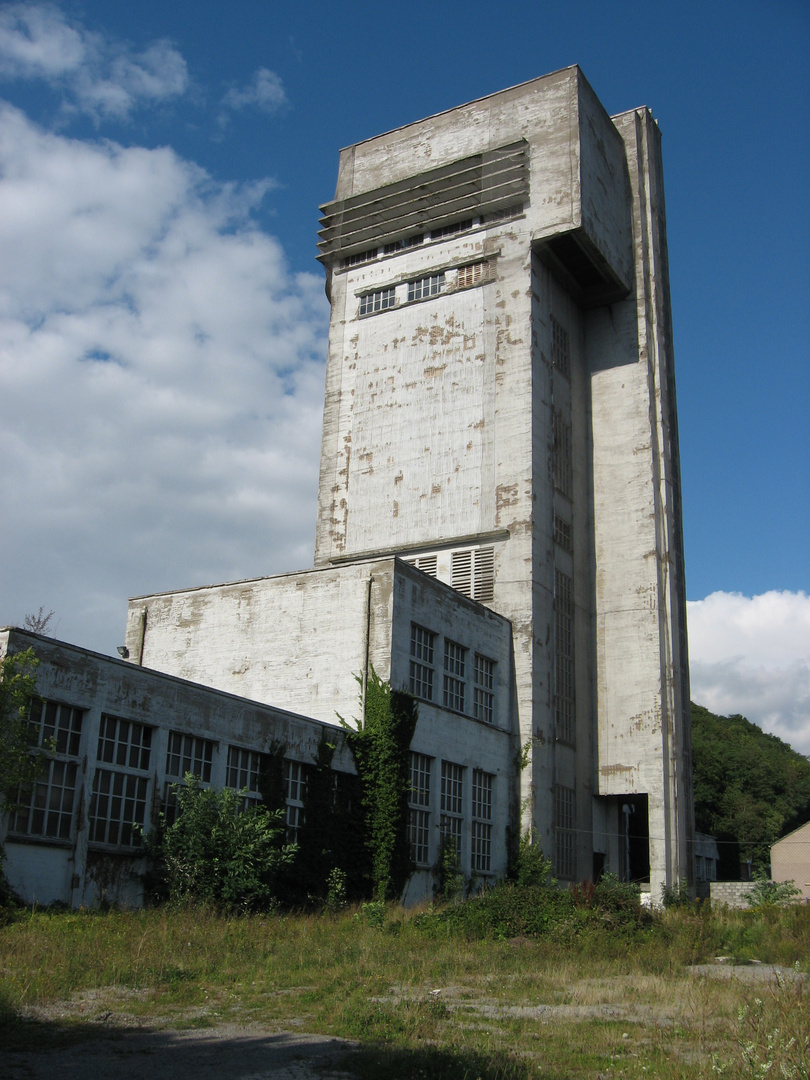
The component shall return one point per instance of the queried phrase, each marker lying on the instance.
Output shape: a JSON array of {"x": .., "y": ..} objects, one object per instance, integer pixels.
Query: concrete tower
[{"x": 500, "y": 410}]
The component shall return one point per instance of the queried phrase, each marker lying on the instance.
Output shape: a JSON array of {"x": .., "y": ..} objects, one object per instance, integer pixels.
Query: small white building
[{"x": 790, "y": 859}]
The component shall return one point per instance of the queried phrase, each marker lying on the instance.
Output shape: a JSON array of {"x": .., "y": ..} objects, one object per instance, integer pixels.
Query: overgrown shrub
[
  {"x": 532, "y": 867},
  {"x": 765, "y": 892},
  {"x": 216, "y": 853}
]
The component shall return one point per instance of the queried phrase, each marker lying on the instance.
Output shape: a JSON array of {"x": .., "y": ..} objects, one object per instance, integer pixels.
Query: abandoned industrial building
[{"x": 498, "y": 528}]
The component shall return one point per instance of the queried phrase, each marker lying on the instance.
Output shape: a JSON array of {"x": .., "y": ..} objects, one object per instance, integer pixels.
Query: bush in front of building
[{"x": 217, "y": 853}]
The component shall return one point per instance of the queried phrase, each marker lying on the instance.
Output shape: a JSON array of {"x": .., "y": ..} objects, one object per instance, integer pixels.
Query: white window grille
[
  {"x": 474, "y": 274},
  {"x": 118, "y": 805},
  {"x": 564, "y": 832},
  {"x": 560, "y": 354},
  {"x": 379, "y": 300},
  {"x": 561, "y": 454},
  {"x": 431, "y": 285},
  {"x": 46, "y": 807},
  {"x": 481, "y": 838},
  {"x": 564, "y": 700},
  {"x": 452, "y": 803},
  {"x": 455, "y": 662},
  {"x": 472, "y": 572},
  {"x": 419, "y": 809},
  {"x": 426, "y": 563},
  {"x": 294, "y": 790},
  {"x": 421, "y": 671},
  {"x": 484, "y": 689}
]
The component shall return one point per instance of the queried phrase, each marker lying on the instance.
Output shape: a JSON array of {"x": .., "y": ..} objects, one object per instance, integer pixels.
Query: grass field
[{"x": 429, "y": 996}]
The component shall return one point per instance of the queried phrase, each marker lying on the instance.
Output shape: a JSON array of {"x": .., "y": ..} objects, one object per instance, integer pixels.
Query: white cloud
[
  {"x": 751, "y": 655},
  {"x": 95, "y": 75},
  {"x": 161, "y": 382},
  {"x": 265, "y": 91}
]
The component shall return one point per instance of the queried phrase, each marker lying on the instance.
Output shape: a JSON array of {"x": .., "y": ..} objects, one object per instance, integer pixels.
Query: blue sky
[{"x": 162, "y": 318}]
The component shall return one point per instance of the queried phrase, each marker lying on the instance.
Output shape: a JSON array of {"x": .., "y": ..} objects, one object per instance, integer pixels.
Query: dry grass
[{"x": 421, "y": 998}]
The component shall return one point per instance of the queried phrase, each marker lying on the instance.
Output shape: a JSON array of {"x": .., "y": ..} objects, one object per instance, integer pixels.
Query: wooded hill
[{"x": 750, "y": 788}]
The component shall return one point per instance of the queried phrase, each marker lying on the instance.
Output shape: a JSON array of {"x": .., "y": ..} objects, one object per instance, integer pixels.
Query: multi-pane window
[
  {"x": 564, "y": 656},
  {"x": 45, "y": 808},
  {"x": 184, "y": 754},
  {"x": 564, "y": 832},
  {"x": 378, "y": 300},
  {"x": 455, "y": 663},
  {"x": 360, "y": 257},
  {"x": 419, "y": 809},
  {"x": 561, "y": 454},
  {"x": 431, "y": 285},
  {"x": 118, "y": 805},
  {"x": 481, "y": 836},
  {"x": 403, "y": 244},
  {"x": 562, "y": 533},
  {"x": 421, "y": 674},
  {"x": 452, "y": 803},
  {"x": 484, "y": 688},
  {"x": 294, "y": 791},
  {"x": 244, "y": 772},
  {"x": 451, "y": 230},
  {"x": 560, "y": 354}
]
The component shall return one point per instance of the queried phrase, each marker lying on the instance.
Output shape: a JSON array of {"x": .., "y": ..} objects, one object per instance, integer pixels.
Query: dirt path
[{"x": 227, "y": 1052}]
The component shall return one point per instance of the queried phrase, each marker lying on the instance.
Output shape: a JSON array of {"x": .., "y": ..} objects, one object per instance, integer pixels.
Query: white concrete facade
[{"x": 500, "y": 388}]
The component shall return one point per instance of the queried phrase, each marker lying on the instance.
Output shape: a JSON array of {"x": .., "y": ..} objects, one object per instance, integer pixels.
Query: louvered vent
[
  {"x": 473, "y": 573},
  {"x": 425, "y": 563},
  {"x": 445, "y": 198}
]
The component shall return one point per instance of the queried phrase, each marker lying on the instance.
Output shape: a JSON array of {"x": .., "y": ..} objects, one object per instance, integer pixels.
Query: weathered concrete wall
[
  {"x": 642, "y": 685},
  {"x": 45, "y": 869},
  {"x": 438, "y": 427}
]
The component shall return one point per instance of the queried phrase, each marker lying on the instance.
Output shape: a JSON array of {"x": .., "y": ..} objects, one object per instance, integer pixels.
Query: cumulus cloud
[
  {"x": 265, "y": 91},
  {"x": 161, "y": 381},
  {"x": 751, "y": 655},
  {"x": 95, "y": 75}
]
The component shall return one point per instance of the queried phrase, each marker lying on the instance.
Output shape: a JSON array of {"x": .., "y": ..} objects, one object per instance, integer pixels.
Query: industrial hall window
[
  {"x": 294, "y": 791},
  {"x": 421, "y": 672},
  {"x": 561, "y": 453},
  {"x": 419, "y": 809},
  {"x": 564, "y": 656},
  {"x": 431, "y": 285},
  {"x": 481, "y": 839},
  {"x": 564, "y": 832},
  {"x": 451, "y": 803},
  {"x": 121, "y": 782},
  {"x": 455, "y": 662},
  {"x": 45, "y": 808},
  {"x": 184, "y": 754},
  {"x": 244, "y": 773},
  {"x": 560, "y": 355},
  {"x": 484, "y": 689},
  {"x": 377, "y": 301}
]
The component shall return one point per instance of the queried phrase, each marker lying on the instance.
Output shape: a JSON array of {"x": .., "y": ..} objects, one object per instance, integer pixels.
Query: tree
[
  {"x": 18, "y": 765},
  {"x": 750, "y": 787},
  {"x": 40, "y": 623}
]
